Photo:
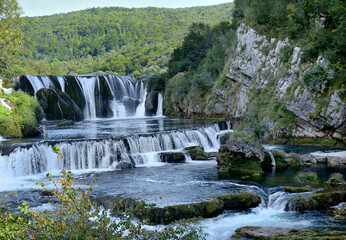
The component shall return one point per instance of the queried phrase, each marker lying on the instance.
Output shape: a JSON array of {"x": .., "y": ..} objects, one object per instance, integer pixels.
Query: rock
[
  {"x": 330, "y": 159},
  {"x": 103, "y": 96},
  {"x": 74, "y": 91},
  {"x": 151, "y": 103},
  {"x": 197, "y": 153},
  {"x": 263, "y": 232},
  {"x": 25, "y": 85},
  {"x": 319, "y": 202},
  {"x": 172, "y": 157},
  {"x": 239, "y": 157},
  {"x": 125, "y": 165},
  {"x": 65, "y": 123},
  {"x": 296, "y": 189},
  {"x": 284, "y": 160},
  {"x": 130, "y": 105},
  {"x": 58, "y": 105},
  {"x": 206, "y": 209}
]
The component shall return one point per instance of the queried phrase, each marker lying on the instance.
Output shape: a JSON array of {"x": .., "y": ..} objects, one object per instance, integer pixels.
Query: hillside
[
  {"x": 279, "y": 73},
  {"x": 110, "y": 40}
]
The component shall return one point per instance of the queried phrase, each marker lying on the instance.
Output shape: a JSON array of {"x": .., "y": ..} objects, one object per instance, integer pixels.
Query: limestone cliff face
[{"x": 257, "y": 64}]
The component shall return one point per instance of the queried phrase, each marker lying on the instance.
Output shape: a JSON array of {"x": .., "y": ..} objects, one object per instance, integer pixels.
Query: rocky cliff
[{"x": 269, "y": 72}]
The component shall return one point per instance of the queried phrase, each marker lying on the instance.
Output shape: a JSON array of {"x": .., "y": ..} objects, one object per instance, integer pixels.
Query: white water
[
  {"x": 159, "y": 112},
  {"x": 88, "y": 88},
  {"x": 140, "y": 111},
  {"x": 105, "y": 154},
  {"x": 121, "y": 87},
  {"x": 61, "y": 80},
  {"x": 269, "y": 213}
]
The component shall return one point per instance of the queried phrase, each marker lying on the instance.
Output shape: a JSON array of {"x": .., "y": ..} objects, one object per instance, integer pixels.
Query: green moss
[
  {"x": 306, "y": 177},
  {"x": 296, "y": 189}
]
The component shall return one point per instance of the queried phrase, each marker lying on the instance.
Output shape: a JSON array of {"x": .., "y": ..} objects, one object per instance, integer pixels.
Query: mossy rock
[
  {"x": 25, "y": 85},
  {"x": 319, "y": 202},
  {"x": 74, "y": 91},
  {"x": 296, "y": 189},
  {"x": 58, "y": 105},
  {"x": 197, "y": 153},
  {"x": 151, "y": 103},
  {"x": 205, "y": 209},
  {"x": 103, "y": 96},
  {"x": 172, "y": 157}
]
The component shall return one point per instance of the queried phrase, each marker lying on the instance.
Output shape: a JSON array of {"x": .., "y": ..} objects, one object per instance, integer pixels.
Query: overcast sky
[{"x": 49, "y": 7}]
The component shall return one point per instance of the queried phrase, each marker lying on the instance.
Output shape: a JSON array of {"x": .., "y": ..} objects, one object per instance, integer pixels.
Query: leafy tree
[{"x": 11, "y": 37}]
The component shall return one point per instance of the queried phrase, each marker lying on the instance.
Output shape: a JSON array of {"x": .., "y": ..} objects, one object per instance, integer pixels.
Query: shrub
[
  {"x": 306, "y": 177},
  {"x": 77, "y": 217},
  {"x": 309, "y": 55},
  {"x": 23, "y": 120},
  {"x": 285, "y": 53},
  {"x": 317, "y": 77}
]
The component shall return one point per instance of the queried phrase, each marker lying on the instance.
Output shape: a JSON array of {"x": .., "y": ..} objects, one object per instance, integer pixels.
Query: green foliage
[
  {"x": 76, "y": 217},
  {"x": 285, "y": 53},
  {"x": 156, "y": 83},
  {"x": 317, "y": 77},
  {"x": 197, "y": 64},
  {"x": 11, "y": 38},
  {"x": 318, "y": 25},
  {"x": 111, "y": 40},
  {"x": 306, "y": 177},
  {"x": 23, "y": 119}
]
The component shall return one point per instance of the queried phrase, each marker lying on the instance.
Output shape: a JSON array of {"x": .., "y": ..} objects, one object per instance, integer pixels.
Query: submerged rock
[
  {"x": 319, "y": 202},
  {"x": 240, "y": 157},
  {"x": 205, "y": 209},
  {"x": 263, "y": 233},
  {"x": 125, "y": 165},
  {"x": 172, "y": 157}
]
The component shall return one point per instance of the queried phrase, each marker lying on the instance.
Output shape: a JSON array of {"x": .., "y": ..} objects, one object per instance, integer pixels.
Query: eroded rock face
[
  {"x": 58, "y": 105},
  {"x": 257, "y": 65},
  {"x": 151, "y": 103},
  {"x": 197, "y": 153},
  {"x": 239, "y": 157}
]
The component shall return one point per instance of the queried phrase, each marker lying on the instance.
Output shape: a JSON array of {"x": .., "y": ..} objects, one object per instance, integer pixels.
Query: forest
[{"x": 110, "y": 40}]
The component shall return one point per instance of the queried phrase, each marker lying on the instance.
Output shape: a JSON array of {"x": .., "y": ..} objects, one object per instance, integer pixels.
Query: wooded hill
[{"x": 111, "y": 40}]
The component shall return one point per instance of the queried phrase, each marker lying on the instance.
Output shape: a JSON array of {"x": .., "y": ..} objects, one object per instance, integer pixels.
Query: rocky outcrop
[
  {"x": 58, "y": 105},
  {"x": 329, "y": 159},
  {"x": 272, "y": 68},
  {"x": 319, "y": 202},
  {"x": 130, "y": 105},
  {"x": 205, "y": 209},
  {"x": 240, "y": 158},
  {"x": 103, "y": 96},
  {"x": 172, "y": 157},
  {"x": 151, "y": 103}
]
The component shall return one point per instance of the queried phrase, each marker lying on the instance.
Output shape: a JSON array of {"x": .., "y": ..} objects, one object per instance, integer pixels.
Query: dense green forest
[{"x": 111, "y": 40}]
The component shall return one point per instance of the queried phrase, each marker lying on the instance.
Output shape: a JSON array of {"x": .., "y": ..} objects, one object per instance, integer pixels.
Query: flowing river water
[{"x": 95, "y": 149}]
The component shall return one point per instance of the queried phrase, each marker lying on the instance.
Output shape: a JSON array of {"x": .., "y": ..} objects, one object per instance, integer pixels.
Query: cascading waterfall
[
  {"x": 107, "y": 153},
  {"x": 159, "y": 112},
  {"x": 127, "y": 96}
]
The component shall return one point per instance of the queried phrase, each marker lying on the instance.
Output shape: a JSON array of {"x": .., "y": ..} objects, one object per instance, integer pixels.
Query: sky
[{"x": 49, "y": 7}]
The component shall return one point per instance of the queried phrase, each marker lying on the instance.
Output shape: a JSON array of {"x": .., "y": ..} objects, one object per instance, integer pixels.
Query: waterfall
[
  {"x": 272, "y": 158},
  {"x": 88, "y": 88},
  {"x": 140, "y": 111},
  {"x": 120, "y": 95},
  {"x": 159, "y": 112},
  {"x": 104, "y": 154}
]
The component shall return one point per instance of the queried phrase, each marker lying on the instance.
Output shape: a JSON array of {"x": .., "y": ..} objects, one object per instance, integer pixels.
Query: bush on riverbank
[
  {"x": 23, "y": 119},
  {"x": 76, "y": 217}
]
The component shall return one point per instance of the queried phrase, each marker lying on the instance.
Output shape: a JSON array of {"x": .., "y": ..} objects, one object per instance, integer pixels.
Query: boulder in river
[
  {"x": 172, "y": 157},
  {"x": 197, "y": 153},
  {"x": 262, "y": 233},
  {"x": 240, "y": 157},
  {"x": 205, "y": 209},
  {"x": 316, "y": 202},
  {"x": 130, "y": 105}
]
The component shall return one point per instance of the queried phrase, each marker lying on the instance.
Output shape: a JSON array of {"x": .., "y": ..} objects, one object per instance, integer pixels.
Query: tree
[{"x": 11, "y": 37}]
